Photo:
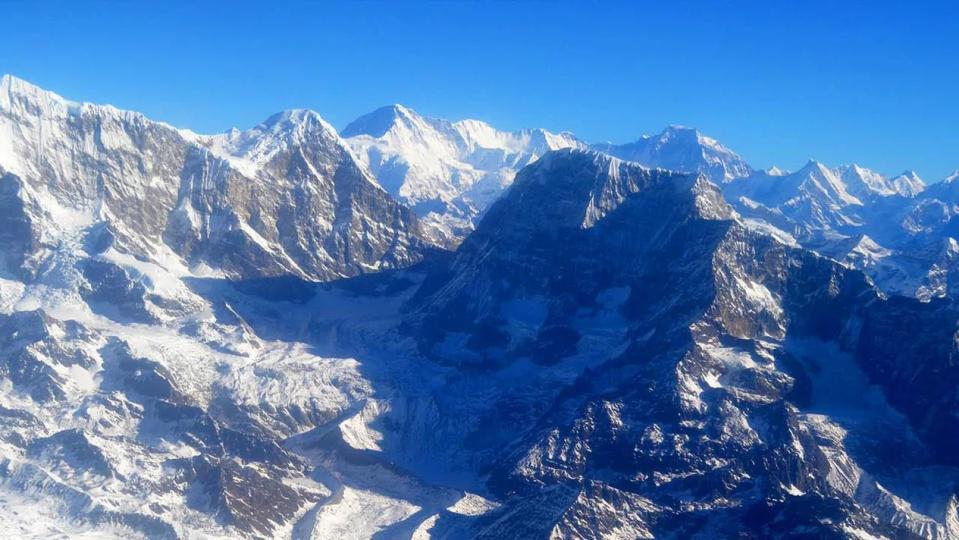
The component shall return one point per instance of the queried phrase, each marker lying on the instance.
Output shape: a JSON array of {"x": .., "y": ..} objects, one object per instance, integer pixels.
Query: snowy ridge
[
  {"x": 448, "y": 171},
  {"x": 287, "y": 196}
]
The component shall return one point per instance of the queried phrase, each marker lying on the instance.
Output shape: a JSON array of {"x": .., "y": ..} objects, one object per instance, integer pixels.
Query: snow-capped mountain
[
  {"x": 864, "y": 183},
  {"x": 450, "y": 172},
  {"x": 947, "y": 190},
  {"x": 244, "y": 336},
  {"x": 133, "y": 405},
  {"x": 682, "y": 149},
  {"x": 897, "y": 230},
  {"x": 732, "y": 391},
  {"x": 286, "y": 197},
  {"x": 815, "y": 196}
]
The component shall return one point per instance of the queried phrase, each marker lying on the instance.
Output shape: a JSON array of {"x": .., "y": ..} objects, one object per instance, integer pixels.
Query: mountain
[
  {"x": 814, "y": 197},
  {"x": 244, "y": 336},
  {"x": 450, "y": 172},
  {"x": 896, "y": 229},
  {"x": 682, "y": 149},
  {"x": 907, "y": 184},
  {"x": 286, "y": 197},
  {"x": 747, "y": 387},
  {"x": 864, "y": 183},
  {"x": 126, "y": 388},
  {"x": 945, "y": 190}
]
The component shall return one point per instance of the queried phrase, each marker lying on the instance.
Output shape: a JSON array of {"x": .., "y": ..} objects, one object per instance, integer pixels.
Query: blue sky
[{"x": 779, "y": 82}]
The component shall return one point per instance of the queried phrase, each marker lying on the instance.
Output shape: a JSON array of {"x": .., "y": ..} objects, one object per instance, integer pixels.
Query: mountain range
[{"x": 417, "y": 328}]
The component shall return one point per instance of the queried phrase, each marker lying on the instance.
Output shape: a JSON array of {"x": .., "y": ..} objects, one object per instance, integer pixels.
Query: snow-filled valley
[{"x": 419, "y": 328}]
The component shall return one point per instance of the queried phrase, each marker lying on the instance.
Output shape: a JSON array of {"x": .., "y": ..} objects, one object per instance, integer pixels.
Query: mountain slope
[
  {"x": 450, "y": 172},
  {"x": 286, "y": 197},
  {"x": 690, "y": 399},
  {"x": 133, "y": 405}
]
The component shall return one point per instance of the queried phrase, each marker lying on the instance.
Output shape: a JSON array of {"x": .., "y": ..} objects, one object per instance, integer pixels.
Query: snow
[
  {"x": 858, "y": 533},
  {"x": 685, "y": 150},
  {"x": 794, "y": 491},
  {"x": 458, "y": 167},
  {"x": 472, "y": 505},
  {"x": 357, "y": 430},
  {"x": 765, "y": 228},
  {"x": 359, "y": 514},
  {"x": 248, "y": 151}
]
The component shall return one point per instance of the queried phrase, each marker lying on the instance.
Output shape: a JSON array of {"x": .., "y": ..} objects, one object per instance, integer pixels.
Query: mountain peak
[
  {"x": 298, "y": 118},
  {"x": 680, "y": 132},
  {"x": 683, "y": 149},
  {"x": 814, "y": 165},
  {"x": 11, "y": 83},
  {"x": 248, "y": 149},
  {"x": 377, "y": 123},
  {"x": 600, "y": 183},
  {"x": 24, "y": 96}
]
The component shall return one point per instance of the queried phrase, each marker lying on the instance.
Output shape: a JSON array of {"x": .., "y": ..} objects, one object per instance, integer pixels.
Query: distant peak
[
  {"x": 379, "y": 122},
  {"x": 297, "y": 118},
  {"x": 952, "y": 177},
  {"x": 815, "y": 166},
  {"x": 855, "y": 168},
  {"x": 909, "y": 175},
  {"x": 680, "y": 132}
]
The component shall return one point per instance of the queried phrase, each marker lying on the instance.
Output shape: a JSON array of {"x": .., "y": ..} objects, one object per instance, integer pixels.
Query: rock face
[
  {"x": 286, "y": 197},
  {"x": 117, "y": 374},
  {"x": 699, "y": 398}
]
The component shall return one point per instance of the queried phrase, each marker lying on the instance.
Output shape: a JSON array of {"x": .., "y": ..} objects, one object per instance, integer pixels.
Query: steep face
[
  {"x": 634, "y": 353},
  {"x": 450, "y": 172},
  {"x": 294, "y": 198},
  {"x": 88, "y": 162},
  {"x": 558, "y": 222},
  {"x": 684, "y": 150},
  {"x": 19, "y": 231},
  {"x": 286, "y": 197}
]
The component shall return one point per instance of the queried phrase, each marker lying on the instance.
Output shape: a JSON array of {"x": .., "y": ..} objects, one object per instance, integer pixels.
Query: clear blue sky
[{"x": 779, "y": 82}]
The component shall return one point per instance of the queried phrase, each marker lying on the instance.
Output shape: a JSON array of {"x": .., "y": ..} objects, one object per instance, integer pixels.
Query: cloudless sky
[{"x": 779, "y": 82}]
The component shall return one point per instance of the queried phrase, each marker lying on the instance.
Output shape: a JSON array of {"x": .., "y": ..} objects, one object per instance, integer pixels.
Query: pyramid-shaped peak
[{"x": 377, "y": 123}]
